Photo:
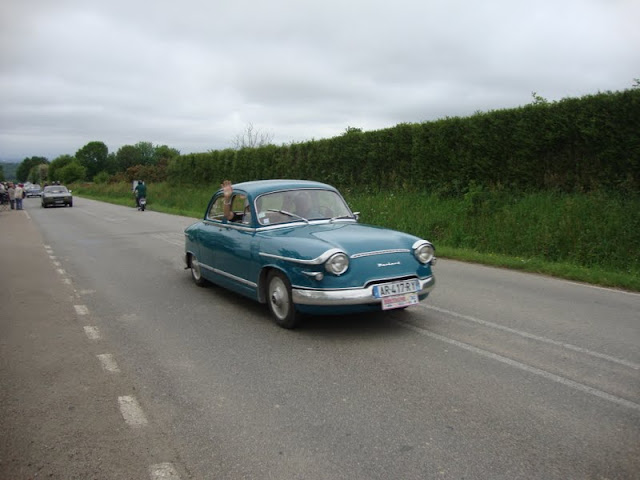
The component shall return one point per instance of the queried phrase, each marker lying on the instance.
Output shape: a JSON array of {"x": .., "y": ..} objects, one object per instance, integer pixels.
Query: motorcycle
[{"x": 142, "y": 203}]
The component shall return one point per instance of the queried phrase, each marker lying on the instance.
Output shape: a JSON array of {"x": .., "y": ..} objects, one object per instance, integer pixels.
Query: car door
[{"x": 228, "y": 244}]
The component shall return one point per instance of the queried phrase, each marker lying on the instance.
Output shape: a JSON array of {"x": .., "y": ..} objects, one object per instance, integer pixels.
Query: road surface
[{"x": 141, "y": 374}]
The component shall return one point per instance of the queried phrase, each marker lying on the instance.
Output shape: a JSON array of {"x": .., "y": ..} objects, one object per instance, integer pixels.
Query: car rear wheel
[
  {"x": 196, "y": 273},
  {"x": 280, "y": 300}
]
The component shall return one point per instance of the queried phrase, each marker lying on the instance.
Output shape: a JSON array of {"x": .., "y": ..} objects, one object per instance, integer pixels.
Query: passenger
[{"x": 229, "y": 214}]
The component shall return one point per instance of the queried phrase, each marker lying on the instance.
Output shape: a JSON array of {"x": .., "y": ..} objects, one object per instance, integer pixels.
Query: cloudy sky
[{"x": 193, "y": 74}]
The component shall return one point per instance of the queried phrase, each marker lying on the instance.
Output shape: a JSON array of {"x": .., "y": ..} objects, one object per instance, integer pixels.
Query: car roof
[{"x": 258, "y": 187}]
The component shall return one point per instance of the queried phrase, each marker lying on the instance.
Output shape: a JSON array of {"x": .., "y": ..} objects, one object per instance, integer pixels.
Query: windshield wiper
[
  {"x": 284, "y": 212},
  {"x": 339, "y": 217}
]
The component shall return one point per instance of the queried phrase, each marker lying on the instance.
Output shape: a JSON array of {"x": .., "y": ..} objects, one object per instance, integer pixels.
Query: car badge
[{"x": 389, "y": 264}]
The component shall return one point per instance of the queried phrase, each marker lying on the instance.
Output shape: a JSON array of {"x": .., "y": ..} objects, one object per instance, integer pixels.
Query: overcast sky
[{"x": 192, "y": 74}]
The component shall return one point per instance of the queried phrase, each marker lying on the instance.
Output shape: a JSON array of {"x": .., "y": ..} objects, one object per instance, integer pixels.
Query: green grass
[{"x": 592, "y": 238}]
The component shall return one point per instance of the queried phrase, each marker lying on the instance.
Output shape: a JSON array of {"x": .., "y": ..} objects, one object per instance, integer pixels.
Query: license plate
[
  {"x": 395, "y": 288},
  {"x": 399, "y": 301}
]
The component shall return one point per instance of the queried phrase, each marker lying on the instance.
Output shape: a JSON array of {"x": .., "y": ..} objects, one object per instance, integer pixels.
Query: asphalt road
[{"x": 498, "y": 375}]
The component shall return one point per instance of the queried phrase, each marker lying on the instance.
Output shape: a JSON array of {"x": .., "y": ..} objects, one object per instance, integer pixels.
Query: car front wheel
[
  {"x": 196, "y": 273},
  {"x": 280, "y": 300}
]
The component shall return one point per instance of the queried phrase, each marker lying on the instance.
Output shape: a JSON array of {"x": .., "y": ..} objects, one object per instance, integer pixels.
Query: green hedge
[{"x": 573, "y": 145}]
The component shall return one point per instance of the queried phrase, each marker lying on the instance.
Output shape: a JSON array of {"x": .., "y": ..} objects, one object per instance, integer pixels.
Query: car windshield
[
  {"x": 300, "y": 204},
  {"x": 56, "y": 189}
]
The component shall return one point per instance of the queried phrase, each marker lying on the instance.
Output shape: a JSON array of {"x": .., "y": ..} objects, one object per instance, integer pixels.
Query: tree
[
  {"x": 73, "y": 172},
  {"x": 93, "y": 157},
  {"x": 163, "y": 154},
  {"x": 127, "y": 157},
  {"x": 147, "y": 153},
  {"x": 58, "y": 164},
  {"x": 22, "y": 174},
  {"x": 39, "y": 173},
  {"x": 252, "y": 138}
]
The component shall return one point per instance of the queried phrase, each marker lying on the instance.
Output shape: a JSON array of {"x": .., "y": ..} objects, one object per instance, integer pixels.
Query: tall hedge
[{"x": 576, "y": 144}]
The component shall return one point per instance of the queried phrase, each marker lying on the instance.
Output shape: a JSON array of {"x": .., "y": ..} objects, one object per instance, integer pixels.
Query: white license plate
[
  {"x": 399, "y": 301},
  {"x": 395, "y": 288}
]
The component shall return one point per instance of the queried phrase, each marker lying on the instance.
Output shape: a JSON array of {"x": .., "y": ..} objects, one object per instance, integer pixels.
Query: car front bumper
[{"x": 349, "y": 296}]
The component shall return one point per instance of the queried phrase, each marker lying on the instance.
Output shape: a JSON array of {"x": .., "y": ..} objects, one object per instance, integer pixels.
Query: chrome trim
[
  {"x": 232, "y": 225},
  {"x": 380, "y": 252},
  {"x": 316, "y": 261},
  {"x": 228, "y": 275},
  {"x": 350, "y": 296}
]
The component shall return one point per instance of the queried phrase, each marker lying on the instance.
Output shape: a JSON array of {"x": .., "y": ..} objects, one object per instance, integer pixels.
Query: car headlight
[
  {"x": 337, "y": 263},
  {"x": 424, "y": 252}
]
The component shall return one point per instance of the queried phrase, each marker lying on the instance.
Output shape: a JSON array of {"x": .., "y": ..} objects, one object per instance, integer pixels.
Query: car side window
[{"x": 216, "y": 212}]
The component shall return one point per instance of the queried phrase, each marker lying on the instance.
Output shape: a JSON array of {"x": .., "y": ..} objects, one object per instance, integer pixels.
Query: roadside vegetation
[{"x": 585, "y": 237}]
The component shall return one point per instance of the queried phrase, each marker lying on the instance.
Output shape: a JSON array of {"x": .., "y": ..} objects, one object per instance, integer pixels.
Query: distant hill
[{"x": 9, "y": 170}]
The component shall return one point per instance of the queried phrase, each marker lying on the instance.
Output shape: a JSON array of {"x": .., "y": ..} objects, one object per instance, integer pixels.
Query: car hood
[{"x": 352, "y": 238}]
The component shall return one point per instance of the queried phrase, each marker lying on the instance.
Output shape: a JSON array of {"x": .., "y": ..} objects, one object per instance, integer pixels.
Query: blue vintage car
[{"x": 296, "y": 245}]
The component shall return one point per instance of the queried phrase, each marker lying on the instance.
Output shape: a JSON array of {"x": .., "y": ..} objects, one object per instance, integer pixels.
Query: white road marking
[
  {"x": 531, "y": 336},
  {"x": 92, "y": 333},
  {"x": 163, "y": 471},
  {"x": 53, "y": 257},
  {"x": 81, "y": 309},
  {"x": 56, "y": 263},
  {"x": 536, "y": 371},
  {"x": 108, "y": 363},
  {"x": 67, "y": 281},
  {"x": 132, "y": 412},
  {"x": 61, "y": 271}
]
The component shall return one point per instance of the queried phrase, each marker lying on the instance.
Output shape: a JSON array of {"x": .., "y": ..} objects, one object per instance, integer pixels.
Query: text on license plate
[
  {"x": 399, "y": 301},
  {"x": 395, "y": 288}
]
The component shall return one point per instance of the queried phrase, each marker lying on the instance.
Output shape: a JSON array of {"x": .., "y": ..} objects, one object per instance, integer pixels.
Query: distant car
[
  {"x": 33, "y": 190},
  {"x": 55, "y": 195},
  {"x": 305, "y": 259}
]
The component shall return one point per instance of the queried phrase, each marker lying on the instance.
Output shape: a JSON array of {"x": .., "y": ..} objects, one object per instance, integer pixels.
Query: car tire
[
  {"x": 280, "y": 300},
  {"x": 196, "y": 272}
]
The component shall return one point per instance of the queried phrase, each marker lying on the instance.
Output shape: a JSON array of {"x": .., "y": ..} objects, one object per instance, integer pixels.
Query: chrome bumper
[{"x": 349, "y": 296}]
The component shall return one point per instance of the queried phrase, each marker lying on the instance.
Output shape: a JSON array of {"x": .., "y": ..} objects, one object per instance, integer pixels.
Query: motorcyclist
[{"x": 140, "y": 192}]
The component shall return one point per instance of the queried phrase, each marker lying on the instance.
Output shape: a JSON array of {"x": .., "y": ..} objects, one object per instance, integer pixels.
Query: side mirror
[{"x": 357, "y": 215}]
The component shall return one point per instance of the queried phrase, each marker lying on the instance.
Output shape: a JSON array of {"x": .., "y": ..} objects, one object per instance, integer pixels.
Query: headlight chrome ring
[
  {"x": 424, "y": 252},
  {"x": 337, "y": 264}
]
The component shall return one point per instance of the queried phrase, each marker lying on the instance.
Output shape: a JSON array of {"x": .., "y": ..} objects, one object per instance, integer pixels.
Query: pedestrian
[
  {"x": 19, "y": 195},
  {"x": 12, "y": 195}
]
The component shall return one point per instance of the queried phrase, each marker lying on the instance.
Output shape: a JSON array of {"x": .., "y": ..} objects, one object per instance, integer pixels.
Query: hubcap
[
  {"x": 279, "y": 297},
  {"x": 195, "y": 268}
]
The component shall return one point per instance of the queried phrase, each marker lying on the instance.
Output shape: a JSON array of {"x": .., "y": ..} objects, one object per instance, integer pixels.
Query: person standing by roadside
[
  {"x": 12, "y": 196},
  {"x": 19, "y": 195}
]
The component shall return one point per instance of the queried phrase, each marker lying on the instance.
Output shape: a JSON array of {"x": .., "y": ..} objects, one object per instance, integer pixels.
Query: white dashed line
[
  {"x": 131, "y": 411},
  {"x": 81, "y": 309},
  {"x": 61, "y": 271},
  {"x": 108, "y": 363},
  {"x": 163, "y": 471},
  {"x": 92, "y": 333}
]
